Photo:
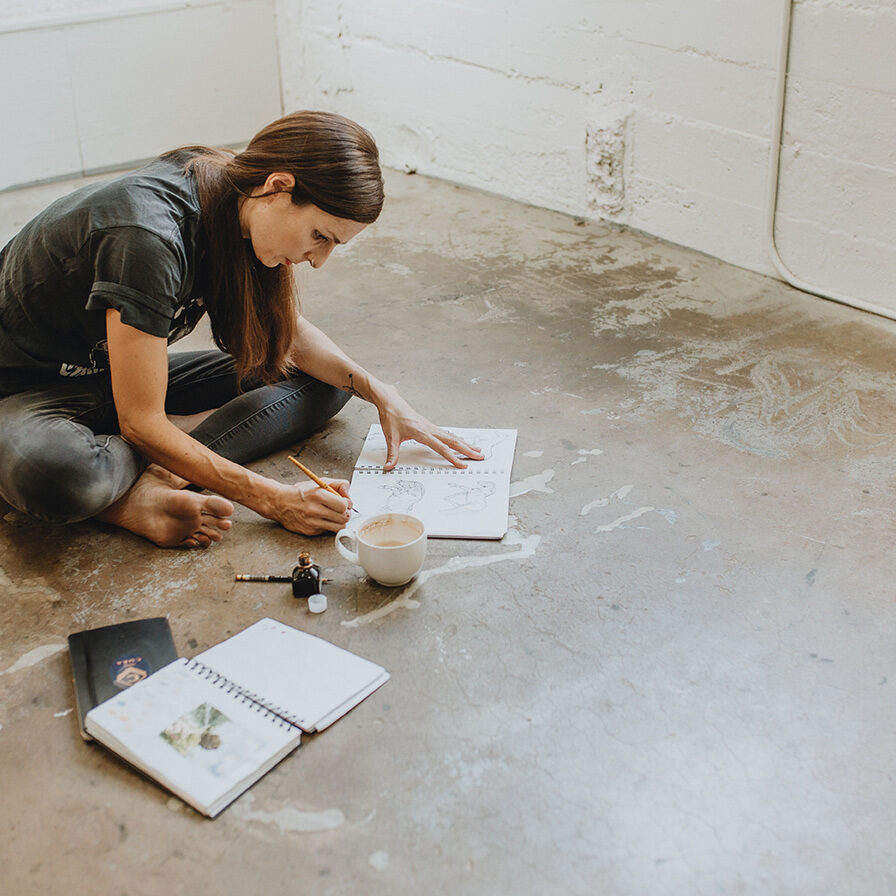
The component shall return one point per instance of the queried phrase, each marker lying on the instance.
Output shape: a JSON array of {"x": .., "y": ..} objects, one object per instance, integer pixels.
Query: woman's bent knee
[
  {"x": 270, "y": 418},
  {"x": 60, "y": 472}
]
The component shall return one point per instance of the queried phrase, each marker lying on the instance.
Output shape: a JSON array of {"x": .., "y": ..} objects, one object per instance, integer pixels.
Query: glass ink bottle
[{"x": 305, "y": 577}]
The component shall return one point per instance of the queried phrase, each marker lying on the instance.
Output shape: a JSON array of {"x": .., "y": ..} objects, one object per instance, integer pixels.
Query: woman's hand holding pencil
[
  {"x": 317, "y": 480},
  {"x": 309, "y": 506}
]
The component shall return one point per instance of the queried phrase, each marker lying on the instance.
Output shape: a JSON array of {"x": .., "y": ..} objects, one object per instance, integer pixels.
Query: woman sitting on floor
[{"x": 97, "y": 420}]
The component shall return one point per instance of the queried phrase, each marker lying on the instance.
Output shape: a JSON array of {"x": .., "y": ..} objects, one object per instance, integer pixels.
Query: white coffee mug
[{"x": 390, "y": 547}]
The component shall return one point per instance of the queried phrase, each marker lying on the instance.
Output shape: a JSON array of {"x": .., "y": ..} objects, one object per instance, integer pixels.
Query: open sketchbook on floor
[
  {"x": 453, "y": 503},
  {"x": 210, "y": 727}
]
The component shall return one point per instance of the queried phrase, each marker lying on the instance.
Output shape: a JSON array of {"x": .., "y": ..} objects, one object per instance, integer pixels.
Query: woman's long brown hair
[{"x": 253, "y": 308}]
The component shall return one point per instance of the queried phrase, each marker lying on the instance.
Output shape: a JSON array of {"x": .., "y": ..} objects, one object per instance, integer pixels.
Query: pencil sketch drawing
[
  {"x": 470, "y": 498},
  {"x": 404, "y": 495}
]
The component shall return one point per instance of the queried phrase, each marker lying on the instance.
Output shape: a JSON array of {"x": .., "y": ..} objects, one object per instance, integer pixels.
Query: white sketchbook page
[
  {"x": 497, "y": 445},
  {"x": 303, "y": 678},
  {"x": 453, "y": 503},
  {"x": 177, "y": 704}
]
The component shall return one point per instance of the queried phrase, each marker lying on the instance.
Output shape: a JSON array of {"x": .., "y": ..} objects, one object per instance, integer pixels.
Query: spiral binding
[
  {"x": 255, "y": 701},
  {"x": 430, "y": 471}
]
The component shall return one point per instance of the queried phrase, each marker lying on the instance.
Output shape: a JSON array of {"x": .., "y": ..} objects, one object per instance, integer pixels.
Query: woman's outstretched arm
[{"x": 317, "y": 355}]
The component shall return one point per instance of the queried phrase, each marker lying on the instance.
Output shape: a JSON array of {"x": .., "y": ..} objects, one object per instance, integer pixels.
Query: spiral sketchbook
[
  {"x": 208, "y": 728},
  {"x": 453, "y": 503}
]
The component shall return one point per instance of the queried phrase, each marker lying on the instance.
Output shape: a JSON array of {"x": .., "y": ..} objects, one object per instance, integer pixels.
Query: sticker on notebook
[{"x": 128, "y": 670}]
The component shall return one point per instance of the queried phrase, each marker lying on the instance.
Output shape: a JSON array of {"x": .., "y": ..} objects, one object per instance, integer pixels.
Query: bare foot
[
  {"x": 188, "y": 422},
  {"x": 158, "y": 508}
]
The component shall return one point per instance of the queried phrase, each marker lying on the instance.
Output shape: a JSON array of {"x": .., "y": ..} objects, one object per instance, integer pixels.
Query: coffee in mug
[{"x": 390, "y": 547}]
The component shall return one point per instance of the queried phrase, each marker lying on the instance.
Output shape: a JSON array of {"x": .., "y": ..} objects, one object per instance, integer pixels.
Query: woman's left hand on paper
[{"x": 401, "y": 423}]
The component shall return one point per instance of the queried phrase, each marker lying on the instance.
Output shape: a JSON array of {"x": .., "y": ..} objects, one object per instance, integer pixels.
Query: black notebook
[
  {"x": 106, "y": 661},
  {"x": 209, "y": 727}
]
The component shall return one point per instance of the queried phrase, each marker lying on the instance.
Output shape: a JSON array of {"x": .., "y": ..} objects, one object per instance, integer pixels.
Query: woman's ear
[{"x": 279, "y": 182}]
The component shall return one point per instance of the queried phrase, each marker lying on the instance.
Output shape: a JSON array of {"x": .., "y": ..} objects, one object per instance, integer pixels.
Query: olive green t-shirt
[{"x": 132, "y": 244}]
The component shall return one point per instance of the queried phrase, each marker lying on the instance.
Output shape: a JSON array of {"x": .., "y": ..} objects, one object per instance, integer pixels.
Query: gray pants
[{"x": 62, "y": 458}]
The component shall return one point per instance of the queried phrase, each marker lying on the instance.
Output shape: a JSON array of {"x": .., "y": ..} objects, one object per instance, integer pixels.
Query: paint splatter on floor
[
  {"x": 609, "y": 527},
  {"x": 33, "y": 657},
  {"x": 404, "y": 601},
  {"x": 537, "y": 483},
  {"x": 762, "y": 400},
  {"x": 289, "y": 819}
]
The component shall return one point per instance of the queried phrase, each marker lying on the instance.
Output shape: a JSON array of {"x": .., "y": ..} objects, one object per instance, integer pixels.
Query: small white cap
[{"x": 317, "y": 603}]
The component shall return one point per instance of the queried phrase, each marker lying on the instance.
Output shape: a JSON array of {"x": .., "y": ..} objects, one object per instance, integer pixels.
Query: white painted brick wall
[
  {"x": 836, "y": 222},
  {"x": 93, "y": 86},
  {"x": 68, "y": 10},
  {"x": 651, "y": 113}
]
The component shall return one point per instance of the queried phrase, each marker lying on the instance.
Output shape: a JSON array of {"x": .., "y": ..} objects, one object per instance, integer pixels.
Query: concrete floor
[{"x": 675, "y": 675}]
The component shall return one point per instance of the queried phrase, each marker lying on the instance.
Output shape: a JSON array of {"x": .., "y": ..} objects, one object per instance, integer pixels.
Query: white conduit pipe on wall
[{"x": 775, "y": 165}]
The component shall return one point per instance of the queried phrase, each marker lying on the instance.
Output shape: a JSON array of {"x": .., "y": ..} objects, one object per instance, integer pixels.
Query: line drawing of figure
[
  {"x": 404, "y": 495},
  {"x": 486, "y": 442},
  {"x": 470, "y": 498}
]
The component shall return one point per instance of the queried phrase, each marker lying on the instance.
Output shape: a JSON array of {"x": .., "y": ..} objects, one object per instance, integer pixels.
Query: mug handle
[{"x": 351, "y": 556}]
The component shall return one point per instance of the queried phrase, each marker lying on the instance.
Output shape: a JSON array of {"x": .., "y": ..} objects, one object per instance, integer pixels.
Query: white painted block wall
[
  {"x": 89, "y": 87},
  {"x": 652, "y": 113},
  {"x": 837, "y": 200}
]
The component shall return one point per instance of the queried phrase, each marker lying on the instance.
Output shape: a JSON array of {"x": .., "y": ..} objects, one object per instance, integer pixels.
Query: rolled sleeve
[{"x": 139, "y": 275}]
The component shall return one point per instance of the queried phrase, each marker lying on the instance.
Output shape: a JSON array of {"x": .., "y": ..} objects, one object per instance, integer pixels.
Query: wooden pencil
[{"x": 316, "y": 479}]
